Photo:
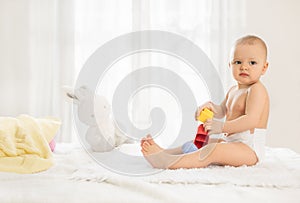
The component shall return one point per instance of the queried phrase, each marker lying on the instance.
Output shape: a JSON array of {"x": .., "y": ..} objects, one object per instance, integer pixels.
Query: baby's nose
[{"x": 244, "y": 66}]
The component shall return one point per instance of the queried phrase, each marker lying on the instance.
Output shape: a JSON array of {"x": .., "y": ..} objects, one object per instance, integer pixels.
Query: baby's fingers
[
  {"x": 207, "y": 125},
  {"x": 212, "y": 108},
  {"x": 197, "y": 113}
]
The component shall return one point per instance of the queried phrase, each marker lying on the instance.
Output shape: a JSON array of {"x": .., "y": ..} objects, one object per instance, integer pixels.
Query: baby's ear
[{"x": 265, "y": 68}]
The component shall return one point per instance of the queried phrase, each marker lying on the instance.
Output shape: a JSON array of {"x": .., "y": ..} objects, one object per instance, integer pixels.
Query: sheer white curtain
[
  {"x": 52, "y": 60},
  {"x": 97, "y": 22},
  {"x": 45, "y": 43},
  {"x": 37, "y": 58},
  {"x": 211, "y": 24}
]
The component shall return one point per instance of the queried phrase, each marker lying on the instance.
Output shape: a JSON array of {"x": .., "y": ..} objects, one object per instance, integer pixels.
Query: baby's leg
[
  {"x": 233, "y": 154},
  {"x": 174, "y": 151},
  {"x": 159, "y": 158}
]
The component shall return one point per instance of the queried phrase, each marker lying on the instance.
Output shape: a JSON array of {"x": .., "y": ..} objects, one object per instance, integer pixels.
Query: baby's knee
[{"x": 207, "y": 151}]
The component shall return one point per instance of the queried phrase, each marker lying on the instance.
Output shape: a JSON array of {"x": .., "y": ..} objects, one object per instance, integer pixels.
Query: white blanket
[
  {"x": 24, "y": 144},
  {"x": 281, "y": 169}
]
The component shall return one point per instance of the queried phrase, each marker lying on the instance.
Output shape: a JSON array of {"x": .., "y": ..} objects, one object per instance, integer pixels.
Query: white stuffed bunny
[{"x": 102, "y": 135}]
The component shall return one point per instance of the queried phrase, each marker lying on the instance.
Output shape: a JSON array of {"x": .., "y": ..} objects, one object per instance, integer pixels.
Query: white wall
[{"x": 277, "y": 22}]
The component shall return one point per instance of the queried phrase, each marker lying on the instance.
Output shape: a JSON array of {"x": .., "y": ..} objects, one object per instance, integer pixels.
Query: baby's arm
[
  {"x": 220, "y": 109},
  {"x": 255, "y": 104}
]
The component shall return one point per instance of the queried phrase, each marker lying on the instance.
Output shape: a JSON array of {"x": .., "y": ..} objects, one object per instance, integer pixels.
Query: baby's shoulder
[
  {"x": 232, "y": 89},
  {"x": 258, "y": 89}
]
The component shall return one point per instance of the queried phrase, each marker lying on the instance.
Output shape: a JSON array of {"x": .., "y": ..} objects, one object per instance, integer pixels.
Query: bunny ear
[
  {"x": 82, "y": 93},
  {"x": 69, "y": 94}
]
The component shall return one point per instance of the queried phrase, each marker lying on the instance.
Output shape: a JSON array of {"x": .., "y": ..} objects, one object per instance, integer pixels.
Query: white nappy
[{"x": 255, "y": 141}]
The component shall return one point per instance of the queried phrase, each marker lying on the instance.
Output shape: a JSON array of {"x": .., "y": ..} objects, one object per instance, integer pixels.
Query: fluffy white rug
[
  {"x": 77, "y": 178},
  {"x": 281, "y": 169}
]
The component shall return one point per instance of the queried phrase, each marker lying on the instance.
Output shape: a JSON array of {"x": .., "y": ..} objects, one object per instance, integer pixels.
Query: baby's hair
[{"x": 251, "y": 40}]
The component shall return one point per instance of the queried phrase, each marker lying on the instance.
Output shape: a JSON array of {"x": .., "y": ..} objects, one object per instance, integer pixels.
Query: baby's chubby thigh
[{"x": 233, "y": 154}]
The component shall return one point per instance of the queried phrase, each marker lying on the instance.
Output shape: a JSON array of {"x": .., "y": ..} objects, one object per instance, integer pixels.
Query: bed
[{"x": 76, "y": 177}]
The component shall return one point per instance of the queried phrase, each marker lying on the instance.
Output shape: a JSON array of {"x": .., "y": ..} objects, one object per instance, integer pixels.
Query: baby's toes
[
  {"x": 142, "y": 141},
  {"x": 146, "y": 145},
  {"x": 150, "y": 139},
  {"x": 144, "y": 152}
]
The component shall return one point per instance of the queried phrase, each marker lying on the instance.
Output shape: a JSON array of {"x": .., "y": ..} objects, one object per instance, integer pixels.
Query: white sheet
[{"x": 77, "y": 178}]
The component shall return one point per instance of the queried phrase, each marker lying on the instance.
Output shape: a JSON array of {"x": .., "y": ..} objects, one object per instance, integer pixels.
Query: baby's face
[{"x": 248, "y": 63}]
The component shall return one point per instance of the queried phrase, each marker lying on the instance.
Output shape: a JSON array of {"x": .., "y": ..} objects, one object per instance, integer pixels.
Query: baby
[{"x": 246, "y": 112}]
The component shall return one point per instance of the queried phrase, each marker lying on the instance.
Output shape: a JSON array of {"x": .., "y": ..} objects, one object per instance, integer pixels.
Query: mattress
[{"x": 76, "y": 177}]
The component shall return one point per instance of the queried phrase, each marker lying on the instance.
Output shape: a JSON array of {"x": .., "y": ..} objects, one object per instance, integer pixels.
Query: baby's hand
[
  {"x": 213, "y": 126},
  {"x": 208, "y": 105}
]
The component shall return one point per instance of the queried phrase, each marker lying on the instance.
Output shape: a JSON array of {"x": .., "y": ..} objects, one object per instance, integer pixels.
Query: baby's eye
[
  {"x": 252, "y": 63},
  {"x": 237, "y": 62}
]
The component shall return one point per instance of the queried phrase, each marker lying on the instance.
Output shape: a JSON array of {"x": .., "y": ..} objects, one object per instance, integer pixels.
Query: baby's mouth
[{"x": 244, "y": 74}]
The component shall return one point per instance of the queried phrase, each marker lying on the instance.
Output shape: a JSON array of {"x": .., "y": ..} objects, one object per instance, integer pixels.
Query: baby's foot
[
  {"x": 156, "y": 155},
  {"x": 149, "y": 146}
]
